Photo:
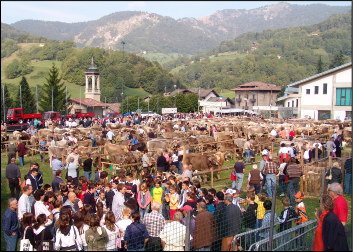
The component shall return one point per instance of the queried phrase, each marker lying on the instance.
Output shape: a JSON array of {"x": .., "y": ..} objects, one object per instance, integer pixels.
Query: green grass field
[
  {"x": 160, "y": 57},
  {"x": 310, "y": 202},
  {"x": 227, "y": 56},
  {"x": 135, "y": 91}
]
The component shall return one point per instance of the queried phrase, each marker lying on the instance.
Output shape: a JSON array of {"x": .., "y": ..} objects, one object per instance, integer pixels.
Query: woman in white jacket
[
  {"x": 118, "y": 201},
  {"x": 67, "y": 236}
]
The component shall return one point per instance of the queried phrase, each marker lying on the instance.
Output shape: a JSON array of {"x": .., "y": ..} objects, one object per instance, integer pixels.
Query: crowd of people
[{"x": 153, "y": 211}]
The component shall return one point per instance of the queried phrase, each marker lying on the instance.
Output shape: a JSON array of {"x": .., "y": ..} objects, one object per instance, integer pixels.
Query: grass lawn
[
  {"x": 135, "y": 92},
  {"x": 310, "y": 203}
]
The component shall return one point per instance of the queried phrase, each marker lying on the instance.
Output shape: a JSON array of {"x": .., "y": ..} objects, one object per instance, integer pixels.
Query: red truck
[
  {"x": 79, "y": 115},
  {"x": 16, "y": 120}
]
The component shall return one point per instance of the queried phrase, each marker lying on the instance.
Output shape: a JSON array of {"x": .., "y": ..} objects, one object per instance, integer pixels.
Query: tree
[
  {"x": 6, "y": 100},
  {"x": 338, "y": 60},
  {"x": 53, "y": 89},
  {"x": 320, "y": 66},
  {"x": 24, "y": 96}
]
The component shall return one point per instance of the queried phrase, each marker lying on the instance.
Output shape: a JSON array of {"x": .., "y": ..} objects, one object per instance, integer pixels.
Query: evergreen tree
[
  {"x": 320, "y": 66},
  {"x": 6, "y": 100},
  {"x": 53, "y": 88},
  {"x": 338, "y": 60},
  {"x": 28, "y": 102}
]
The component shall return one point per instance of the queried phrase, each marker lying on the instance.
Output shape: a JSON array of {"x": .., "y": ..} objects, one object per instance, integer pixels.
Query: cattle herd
[{"x": 206, "y": 149}]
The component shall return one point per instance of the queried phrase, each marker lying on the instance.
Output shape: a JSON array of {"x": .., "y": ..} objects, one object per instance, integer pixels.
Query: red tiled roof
[
  {"x": 114, "y": 106},
  {"x": 89, "y": 102},
  {"x": 257, "y": 85}
]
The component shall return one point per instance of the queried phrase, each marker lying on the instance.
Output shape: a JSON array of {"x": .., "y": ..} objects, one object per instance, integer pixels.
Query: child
[
  {"x": 300, "y": 208},
  {"x": 203, "y": 193},
  {"x": 166, "y": 200},
  {"x": 209, "y": 203},
  {"x": 102, "y": 199},
  {"x": 213, "y": 192},
  {"x": 250, "y": 213},
  {"x": 173, "y": 201},
  {"x": 80, "y": 193},
  {"x": 260, "y": 209},
  {"x": 233, "y": 178},
  {"x": 109, "y": 195},
  {"x": 157, "y": 192},
  {"x": 48, "y": 200},
  {"x": 287, "y": 214},
  {"x": 252, "y": 155},
  {"x": 99, "y": 187},
  {"x": 267, "y": 204},
  {"x": 47, "y": 188},
  {"x": 83, "y": 181},
  {"x": 98, "y": 173},
  {"x": 237, "y": 200}
]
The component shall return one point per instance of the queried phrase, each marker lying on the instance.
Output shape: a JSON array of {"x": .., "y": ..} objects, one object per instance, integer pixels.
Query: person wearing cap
[
  {"x": 255, "y": 179},
  {"x": 300, "y": 208},
  {"x": 336, "y": 173}
]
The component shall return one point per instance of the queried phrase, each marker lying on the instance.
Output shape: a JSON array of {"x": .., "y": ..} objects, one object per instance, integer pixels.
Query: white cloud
[{"x": 136, "y": 5}]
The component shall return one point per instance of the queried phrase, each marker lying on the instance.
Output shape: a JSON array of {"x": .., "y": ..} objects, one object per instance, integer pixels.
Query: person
[
  {"x": 233, "y": 178},
  {"x": 239, "y": 169},
  {"x": 110, "y": 135},
  {"x": 283, "y": 153},
  {"x": 173, "y": 201},
  {"x": 11, "y": 152},
  {"x": 72, "y": 168},
  {"x": 348, "y": 176},
  {"x": 42, "y": 147},
  {"x": 134, "y": 141},
  {"x": 173, "y": 234},
  {"x": 262, "y": 165},
  {"x": 331, "y": 147},
  {"x": 183, "y": 194},
  {"x": 338, "y": 144},
  {"x": 93, "y": 138},
  {"x": 43, "y": 234},
  {"x": 336, "y": 174},
  {"x": 21, "y": 149},
  {"x": 109, "y": 195},
  {"x": 220, "y": 221},
  {"x": 131, "y": 188},
  {"x": 187, "y": 173},
  {"x": 143, "y": 199},
  {"x": 118, "y": 201},
  {"x": 204, "y": 234},
  {"x": 154, "y": 220},
  {"x": 56, "y": 165},
  {"x": 291, "y": 134},
  {"x": 27, "y": 229},
  {"x": 233, "y": 219},
  {"x": 74, "y": 154},
  {"x": 67, "y": 236},
  {"x": 89, "y": 197},
  {"x": 112, "y": 231},
  {"x": 271, "y": 170},
  {"x": 72, "y": 140},
  {"x": 146, "y": 164},
  {"x": 300, "y": 208},
  {"x": 40, "y": 208},
  {"x": 81, "y": 226},
  {"x": 24, "y": 204},
  {"x": 247, "y": 147},
  {"x": 273, "y": 133},
  {"x": 11, "y": 225},
  {"x": 57, "y": 180},
  {"x": 32, "y": 179},
  {"x": 249, "y": 216},
  {"x": 87, "y": 167},
  {"x": 287, "y": 214},
  {"x": 255, "y": 179},
  {"x": 123, "y": 224},
  {"x": 341, "y": 207},
  {"x": 136, "y": 234},
  {"x": 96, "y": 236},
  {"x": 282, "y": 179},
  {"x": 71, "y": 200},
  {"x": 267, "y": 220},
  {"x": 161, "y": 163},
  {"x": 13, "y": 176},
  {"x": 329, "y": 234},
  {"x": 283, "y": 133},
  {"x": 157, "y": 193},
  {"x": 294, "y": 172}
]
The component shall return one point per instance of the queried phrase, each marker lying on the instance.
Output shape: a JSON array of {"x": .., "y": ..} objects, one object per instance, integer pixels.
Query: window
[
  {"x": 316, "y": 90},
  {"x": 288, "y": 104},
  {"x": 293, "y": 103},
  {"x": 78, "y": 111},
  {"x": 325, "y": 89},
  {"x": 297, "y": 103},
  {"x": 308, "y": 91},
  {"x": 343, "y": 97}
]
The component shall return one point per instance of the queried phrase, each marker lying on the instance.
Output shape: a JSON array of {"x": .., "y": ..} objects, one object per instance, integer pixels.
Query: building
[
  {"x": 91, "y": 103},
  {"x": 255, "y": 93},
  {"x": 327, "y": 95},
  {"x": 290, "y": 101},
  {"x": 216, "y": 104}
]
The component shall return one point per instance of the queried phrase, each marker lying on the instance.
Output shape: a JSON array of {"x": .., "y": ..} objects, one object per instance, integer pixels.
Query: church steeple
[{"x": 92, "y": 82}]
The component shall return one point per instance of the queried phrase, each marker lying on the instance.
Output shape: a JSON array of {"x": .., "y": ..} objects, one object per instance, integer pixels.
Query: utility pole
[
  {"x": 66, "y": 99},
  {"x": 3, "y": 100},
  {"x": 198, "y": 103}
]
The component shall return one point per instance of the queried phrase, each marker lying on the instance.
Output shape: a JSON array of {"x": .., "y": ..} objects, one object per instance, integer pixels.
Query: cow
[
  {"x": 256, "y": 131},
  {"x": 157, "y": 145},
  {"x": 57, "y": 151}
]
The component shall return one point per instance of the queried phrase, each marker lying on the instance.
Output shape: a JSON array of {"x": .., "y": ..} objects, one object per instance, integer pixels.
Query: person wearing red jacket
[{"x": 21, "y": 149}]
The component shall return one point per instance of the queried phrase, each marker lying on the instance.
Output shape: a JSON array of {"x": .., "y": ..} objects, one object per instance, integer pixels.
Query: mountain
[
  {"x": 9, "y": 32},
  {"x": 279, "y": 56},
  {"x": 151, "y": 33}
]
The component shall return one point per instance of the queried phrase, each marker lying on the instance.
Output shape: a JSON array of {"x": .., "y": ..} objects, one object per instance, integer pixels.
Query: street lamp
[{"x": 174, "y": 95}]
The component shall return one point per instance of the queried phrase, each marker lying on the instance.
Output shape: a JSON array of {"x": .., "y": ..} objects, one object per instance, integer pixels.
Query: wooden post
[
  {"x": 273, "y": 148},
  {"x": 32, "y": 154},
  {"x": 212, "y": 177},
  {"x": 316, "y": 153}
]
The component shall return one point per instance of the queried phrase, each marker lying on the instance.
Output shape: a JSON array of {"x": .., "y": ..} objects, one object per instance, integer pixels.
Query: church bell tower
[{"x": 92, "y": 83}]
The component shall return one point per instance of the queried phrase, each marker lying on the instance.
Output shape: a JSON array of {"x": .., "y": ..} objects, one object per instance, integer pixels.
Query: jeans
[
  {"x": 94, "y": 143},
  {"x": 348, "y": 183},
  {"x": 293, "y": 188},
  {"x": 270, "y": 184},
  {"x": 208, "y": 248},
  {"x": 180, "y": 167},
  {"x": 247, "y": 156},
  {"x": 239, "y": 182},
  {"x": 234, "y": 183},
  {"x": 282, "y": 185},
  {"x": 14, "y": 185},
  {"x": 22, "y": 160},
  {"x": 87, "y": 174},
  {"x": 263, "y": 181},
  {"x": 11, "y": 242},
  {"x": 257, "y": 188},
  {"x": 143, "y": 212}
]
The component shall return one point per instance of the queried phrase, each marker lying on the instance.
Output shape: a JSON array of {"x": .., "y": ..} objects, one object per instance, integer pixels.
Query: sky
[{"x": 75, "y": 11}]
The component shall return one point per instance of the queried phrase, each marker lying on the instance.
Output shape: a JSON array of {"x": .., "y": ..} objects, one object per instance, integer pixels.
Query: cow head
[{"x": 212, "y": 161}]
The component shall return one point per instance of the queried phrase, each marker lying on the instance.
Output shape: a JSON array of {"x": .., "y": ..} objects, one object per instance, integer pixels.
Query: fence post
[
  {"x": 273, "y": 209},
  {"x": 316, "y": 153},
  {"x": 187, "y": 233}
]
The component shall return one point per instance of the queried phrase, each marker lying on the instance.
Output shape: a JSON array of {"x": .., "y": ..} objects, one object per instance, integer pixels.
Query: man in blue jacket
[{"x": 11, "y": 225}]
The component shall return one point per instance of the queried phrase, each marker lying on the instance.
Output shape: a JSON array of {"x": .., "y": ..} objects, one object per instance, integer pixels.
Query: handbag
[
  {"x": 45, "y": 245},
  {"x": 25, "y": 244}
]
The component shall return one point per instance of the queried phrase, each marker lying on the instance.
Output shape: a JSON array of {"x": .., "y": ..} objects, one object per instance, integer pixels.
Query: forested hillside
[{"x": 273, "y": 56}]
